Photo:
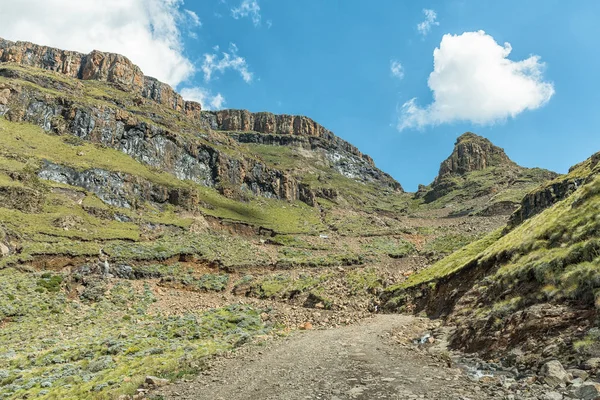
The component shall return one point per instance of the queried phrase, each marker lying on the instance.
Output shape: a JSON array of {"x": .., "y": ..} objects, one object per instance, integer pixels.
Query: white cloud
[
  {"x": 430, "y": 20},
  {"x": 229, "y": 60},
  {"x": 473, "y": 80},
  {"x": 204, "y": 97},
  {"x": 248, "y": 8},
  {"x": 396, "y": 69},
  {"x": 146, "y": 31}
]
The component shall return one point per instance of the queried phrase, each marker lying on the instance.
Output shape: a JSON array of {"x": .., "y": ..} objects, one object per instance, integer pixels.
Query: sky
[{"x": 401, "y": 80}]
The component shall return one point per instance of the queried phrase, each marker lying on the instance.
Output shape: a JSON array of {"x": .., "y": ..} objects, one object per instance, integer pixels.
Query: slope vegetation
[{"x": 528, "y": 287}]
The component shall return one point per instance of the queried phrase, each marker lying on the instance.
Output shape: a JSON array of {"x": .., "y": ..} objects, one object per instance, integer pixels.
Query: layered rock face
[
  {"x": 106, "y": 67},
  {"x": 117, "y": 69},
  {"x": 153, "y": 136},
  {"x": 263, "y": 122}
]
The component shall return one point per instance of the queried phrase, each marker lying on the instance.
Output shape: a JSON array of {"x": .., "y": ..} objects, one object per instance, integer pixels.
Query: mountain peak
[
  {"x": 473, "y": 153},
  {"x": 482, "y": 176}
]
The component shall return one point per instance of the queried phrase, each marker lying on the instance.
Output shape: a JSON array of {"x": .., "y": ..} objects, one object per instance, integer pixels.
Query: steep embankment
[
  {"x": 479, "y": 178},
  {"x": 532, "y": 289}
]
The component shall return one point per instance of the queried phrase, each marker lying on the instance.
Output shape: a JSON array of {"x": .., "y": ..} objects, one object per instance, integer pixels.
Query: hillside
[
  {"x": 147, "y": 235},
  {"x": 528, "y": 293}
]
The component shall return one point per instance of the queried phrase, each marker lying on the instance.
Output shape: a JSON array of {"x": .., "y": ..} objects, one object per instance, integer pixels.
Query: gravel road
[{"x": 361, "y": 361}]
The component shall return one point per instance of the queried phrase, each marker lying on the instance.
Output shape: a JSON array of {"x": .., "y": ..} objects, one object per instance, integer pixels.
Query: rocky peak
[
  {"x": 97, "y": 65},
  {"x": 473, "y": 153},
  {"x": 482, "y": 176}
]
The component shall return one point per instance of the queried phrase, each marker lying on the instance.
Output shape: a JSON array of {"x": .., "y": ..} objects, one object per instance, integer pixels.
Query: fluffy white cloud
[
  {"x": 396, "y": 69},
  {"x": 146, "y": 31},
  {"x": 430, "y": 20},
  {"x": 228, "y": 60},
  {"x": 248, "y": 8},
  {"x": 204, "y": 97},
  {"x": 473, "y": 80}
]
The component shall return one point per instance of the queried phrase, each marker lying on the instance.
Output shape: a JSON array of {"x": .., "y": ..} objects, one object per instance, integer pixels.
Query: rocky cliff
[
  {"x": 119, "y": 70},
  {"x": 103, "y": 98},
  {"x": 473, "y": 153},
  {"x": 97, "y": 65}
]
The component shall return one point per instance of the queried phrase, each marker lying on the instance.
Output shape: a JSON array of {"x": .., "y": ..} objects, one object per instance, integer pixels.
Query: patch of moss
[
  {"x": 364, "y": 280},
  {"x": 49, "y": 282}
]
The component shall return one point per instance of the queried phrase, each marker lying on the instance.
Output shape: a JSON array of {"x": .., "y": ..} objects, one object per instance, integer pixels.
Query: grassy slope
[
  {"x": 494, "y": 184},
  {"x": 100, "y": 349},
  {"x": 559, "y": 247}
]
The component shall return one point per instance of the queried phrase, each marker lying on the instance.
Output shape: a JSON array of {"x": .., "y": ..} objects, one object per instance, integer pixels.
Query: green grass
[
  {"x": 388, "y": 246},
  {"x": 448, "y": 243},
  {"x": 286, "y": 285},
  {"x": 99, "y": 350},
  {"x": 450, "y": 264},
  {"x": 204, "y": 283},
  {"x": 361, "y": 280},
  {"x": 271, "y": 286}
]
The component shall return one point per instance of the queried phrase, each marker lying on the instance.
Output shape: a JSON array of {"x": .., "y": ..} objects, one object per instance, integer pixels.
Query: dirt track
[{"x": 360, "y": 361}]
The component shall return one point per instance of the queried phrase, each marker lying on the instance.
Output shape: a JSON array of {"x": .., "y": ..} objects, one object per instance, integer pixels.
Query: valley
[{"x": 151, "y": 249}]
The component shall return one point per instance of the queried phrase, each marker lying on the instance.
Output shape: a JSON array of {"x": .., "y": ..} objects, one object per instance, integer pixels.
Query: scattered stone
[
  {"x": 154, "y": 381},
  {"x": 306, "y": 326},
  {"x": 553, "y": 374},
  {"x": 591, "y": 364}
]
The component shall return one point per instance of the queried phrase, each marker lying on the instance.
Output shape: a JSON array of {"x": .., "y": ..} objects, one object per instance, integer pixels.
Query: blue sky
[{"x": 330, "y": 60}]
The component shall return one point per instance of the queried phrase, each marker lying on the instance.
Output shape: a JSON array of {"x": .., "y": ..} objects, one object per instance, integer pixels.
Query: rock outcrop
[
  {"x": 268, "y": 123},
  {"x": 560, "y": 188},
  {"x": 99, "y": 66},
  {"x": 473, "y": 153},
  {"x": 481, "y": 172}
]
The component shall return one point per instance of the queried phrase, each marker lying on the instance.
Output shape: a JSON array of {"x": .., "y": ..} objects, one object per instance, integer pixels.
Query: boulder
[
  {"x": 4, "y": 95},
  {"x": 587, "y": 391},
  {"x": 591, "y": 364},
  {"x": 4, "y": 250},
  {"x": 553, "y": 374},
  {"x": 552, "y": 396},
  {"x": 578, "y": 373},
  {"x": 154, "y": 381}
]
